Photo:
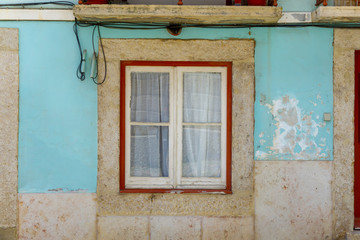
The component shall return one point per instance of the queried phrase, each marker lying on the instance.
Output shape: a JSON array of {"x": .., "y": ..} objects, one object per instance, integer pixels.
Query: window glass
[
  {"x": 202, "y": 97},
  {"x": 175, "y": 124},
  {"x": 149, "y": 151},
  {"x": 149, "y": 97},
  {"x": 201, "y": 151}
]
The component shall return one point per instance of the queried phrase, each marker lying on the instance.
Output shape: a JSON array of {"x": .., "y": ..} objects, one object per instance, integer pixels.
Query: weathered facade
[{"x": 292, "y": 172}]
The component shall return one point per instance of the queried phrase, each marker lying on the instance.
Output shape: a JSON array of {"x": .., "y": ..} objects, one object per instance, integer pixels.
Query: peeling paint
[
  {"x": 62, "y": 190},
  {"x": 295, "y": 131}
]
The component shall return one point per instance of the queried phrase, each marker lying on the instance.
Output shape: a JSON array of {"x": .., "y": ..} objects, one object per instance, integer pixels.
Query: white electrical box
[{"x": 327, "y": 117}]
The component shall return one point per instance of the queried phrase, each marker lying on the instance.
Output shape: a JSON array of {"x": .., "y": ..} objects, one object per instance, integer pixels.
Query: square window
[{"x": 175, "y": 126}]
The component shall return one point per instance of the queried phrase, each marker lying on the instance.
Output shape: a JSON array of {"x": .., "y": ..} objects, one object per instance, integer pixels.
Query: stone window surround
[{"x": 238, "y": 51}]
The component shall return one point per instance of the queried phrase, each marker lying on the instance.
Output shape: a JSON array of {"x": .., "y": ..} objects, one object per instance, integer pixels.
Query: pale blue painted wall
[
  {"x": 293, "y": 64},
  {"x": 300, "y": 6},
  {"x": 58, "y": 113},
  {"x": 297, "y": 6}
]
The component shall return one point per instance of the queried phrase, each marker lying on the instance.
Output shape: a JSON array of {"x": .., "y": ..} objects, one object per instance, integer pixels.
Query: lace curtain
[{"x": 201, "y": 134}]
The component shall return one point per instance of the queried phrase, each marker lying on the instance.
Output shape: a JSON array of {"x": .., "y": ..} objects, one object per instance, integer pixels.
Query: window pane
[
  {"x": 202, "y": 97},
  {"x": 201, "y": 151},
  {"x": 149, "y": 97},
  {"x": 149, "y": 155}
]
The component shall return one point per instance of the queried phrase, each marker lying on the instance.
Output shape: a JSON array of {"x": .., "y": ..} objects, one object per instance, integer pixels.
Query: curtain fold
[
  {"x": 201, "y": 143},
  {"x": 149, "y": 144}
]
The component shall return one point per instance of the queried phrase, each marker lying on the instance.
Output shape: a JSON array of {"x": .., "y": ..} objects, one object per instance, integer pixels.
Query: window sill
[
  {"x": 178, "y": 14},
  {"x": 178, "y": 191},
  {"x": 338, "y": 14}
]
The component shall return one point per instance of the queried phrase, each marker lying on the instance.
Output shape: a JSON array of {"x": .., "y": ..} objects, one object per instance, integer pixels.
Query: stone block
[
  {"x": 123, "y": 227},
  {"x": 171, "y": 228},
  {"x": 293, "y": 200},
  {"x": 218, "y": 228},
  {"x": 8, "y": 233},
  {"x": 354, "y": 235},
  {"x": 9, "y": 39},
  {"x": 57, "y": 216}
]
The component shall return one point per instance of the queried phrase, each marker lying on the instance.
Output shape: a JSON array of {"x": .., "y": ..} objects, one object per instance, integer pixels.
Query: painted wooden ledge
[
  {"x": 36, "y": 15},
  {"x": 178, "y": 14},
  {"x": 331, "y": 14}
]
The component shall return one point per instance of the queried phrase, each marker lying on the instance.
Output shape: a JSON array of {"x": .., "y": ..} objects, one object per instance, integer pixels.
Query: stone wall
[
  {"x": 346, "y": 41},
  {"x": 199, "y": 211},
  {"x": 9, "y": 106}
]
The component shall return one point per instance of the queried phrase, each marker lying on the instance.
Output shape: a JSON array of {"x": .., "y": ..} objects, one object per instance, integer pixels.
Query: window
[{"x": 175, "y": 126}]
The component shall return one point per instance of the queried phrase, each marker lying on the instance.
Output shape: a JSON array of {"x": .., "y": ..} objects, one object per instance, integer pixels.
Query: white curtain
[
  {"x": 201, "y": 143},
  {"x": 149, "y": 144}
]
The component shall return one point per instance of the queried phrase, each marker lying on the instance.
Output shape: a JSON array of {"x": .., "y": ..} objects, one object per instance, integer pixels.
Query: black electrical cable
[
  {"x": 61, "y": 3},
  {"x": 154, "y": 26},
  {"x": 151, "y": 26},
  {"x": 80, "y": 75},
  {"x": 94, "y": 52},
  {"x": 105, "y": 65}
]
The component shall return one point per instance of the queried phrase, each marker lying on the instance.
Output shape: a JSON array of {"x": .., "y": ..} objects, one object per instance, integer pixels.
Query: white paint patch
[
  {"x": 318, "y": 97},
  {"x": 314, "y": 103},
  {"x": 295, "y": 132},
  {"x": 322, "y": 142}
]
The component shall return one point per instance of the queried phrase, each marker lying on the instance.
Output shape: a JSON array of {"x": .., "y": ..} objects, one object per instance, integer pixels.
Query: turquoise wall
[
  {"x": 293, "y": 69},
  {"x": 58, "y": 113},
  {"x": 297, "y": 6}
]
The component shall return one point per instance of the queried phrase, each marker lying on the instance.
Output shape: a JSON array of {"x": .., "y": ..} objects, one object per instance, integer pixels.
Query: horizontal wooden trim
[
  {"x": 178, "y": 191},
  {"x": 36, "y": 15},
  {"x": 357, "y": 223},
  {"x": 176, "y": 63}
]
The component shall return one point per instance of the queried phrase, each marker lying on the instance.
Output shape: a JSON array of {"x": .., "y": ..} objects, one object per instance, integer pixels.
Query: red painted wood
[
  {"x": 122, "y": 126},
  {"x": 357, "y": 141},
  {"x": 357, "y": 223},
  {"x": 257, "y": 2},
  {"x": 229, "y": 127},
  {"x": 93, "y": 1},
  {"x": 123, "y": 65},
  {"x": 178, "y": 191},
  {"x": 229, "y": 2}
]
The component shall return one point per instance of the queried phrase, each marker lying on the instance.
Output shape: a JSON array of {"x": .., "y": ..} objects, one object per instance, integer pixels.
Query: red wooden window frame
[
  {"x": 357, "y": 142},
  {"x": 123, "y": 65}
]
